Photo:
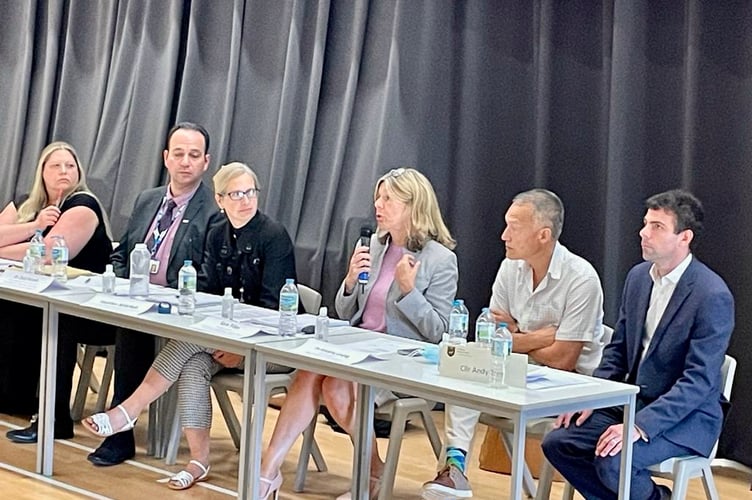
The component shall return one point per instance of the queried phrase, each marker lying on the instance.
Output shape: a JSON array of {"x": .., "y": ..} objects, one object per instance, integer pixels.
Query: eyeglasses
[
  {"x": 239, "y": 195},
  {"x": 396, "y": 172}
]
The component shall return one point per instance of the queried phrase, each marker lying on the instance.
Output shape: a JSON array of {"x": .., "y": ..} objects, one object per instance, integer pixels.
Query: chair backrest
[
  {"x": 608, "y": 332},
  {"x": 728, "y": 371},
  {"x": 309, "y": 298}
]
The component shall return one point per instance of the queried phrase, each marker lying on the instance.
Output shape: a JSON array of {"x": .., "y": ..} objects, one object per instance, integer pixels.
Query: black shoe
[
  {"x": 30, "y": 434},
  {"x": 115, "y": 450}
]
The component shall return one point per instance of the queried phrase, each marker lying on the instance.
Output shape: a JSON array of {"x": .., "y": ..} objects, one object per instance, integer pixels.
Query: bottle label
[
  {"x": 59, "y": 254},
  {"x": 188, "y": 281},
  {"x": 288, "y": 301}
]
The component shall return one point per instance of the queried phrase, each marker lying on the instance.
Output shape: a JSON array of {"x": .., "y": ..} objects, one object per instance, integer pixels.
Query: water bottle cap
[
  {"x": 323, "y": 311},
  {"x": 456, "y": 302},
  {"x": 140, "y": 246},
  {"x": 484, "y": 310},
  {"x": 187, "y": 263},
  {"x": 289, "y": 281},
  {"x": 502, "y": 325},
  {"x": 228, "y": 291},
  {"x": 108, "y": 268}
]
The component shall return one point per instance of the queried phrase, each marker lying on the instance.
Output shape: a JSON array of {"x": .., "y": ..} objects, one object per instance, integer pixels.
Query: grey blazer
[
  {"x": 422, "y": 314},
  {"x": 199, "y": 215}
]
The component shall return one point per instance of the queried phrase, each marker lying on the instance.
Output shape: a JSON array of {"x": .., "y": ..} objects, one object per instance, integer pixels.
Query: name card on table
[
  {"x": 331, "y": 352},
  {"x": 117, "y": 304},
  {"x": 472, "y": 362},
  {"x": 225, "y": 327},
  {"x": 26, "y": 282}
]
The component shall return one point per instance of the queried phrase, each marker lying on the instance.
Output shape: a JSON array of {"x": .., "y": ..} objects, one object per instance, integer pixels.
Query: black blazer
[{"x": 190, "y": 238}]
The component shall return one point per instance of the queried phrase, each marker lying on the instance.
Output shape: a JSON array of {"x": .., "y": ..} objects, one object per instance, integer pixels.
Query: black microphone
[{"x": 365, "y": 241}]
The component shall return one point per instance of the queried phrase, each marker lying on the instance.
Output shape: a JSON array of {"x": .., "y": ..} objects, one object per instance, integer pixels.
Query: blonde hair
[
  {"x": 38, "y": 199},
  {"x": 413, "y": 188},
  {"x": 227, "y": 173}
]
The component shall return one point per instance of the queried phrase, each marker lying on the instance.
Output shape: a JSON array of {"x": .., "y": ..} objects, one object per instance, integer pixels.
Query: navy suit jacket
[
  {"x": 680, "y": 375},
  {"x": 190, "y": 238}
]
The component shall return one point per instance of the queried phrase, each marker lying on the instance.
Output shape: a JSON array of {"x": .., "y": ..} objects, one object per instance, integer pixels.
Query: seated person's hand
[
  {"x": 405, "y": 272},
  {"x": 500, "y": 316},
  {"x": 565, "y": 419},
  {"x": 228, "y": 359},
  {"x": 359, "y": 262}
]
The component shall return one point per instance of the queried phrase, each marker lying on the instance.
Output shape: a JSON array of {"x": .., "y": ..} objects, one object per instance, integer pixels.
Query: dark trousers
[
  {"x": 21, "y": 354},
  {"x": 572, "y": 452},
  {"x": 134, "y": 354}
]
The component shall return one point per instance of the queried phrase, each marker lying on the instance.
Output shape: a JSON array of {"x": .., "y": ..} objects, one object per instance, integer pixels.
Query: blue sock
[{"x": 456, "y": 457}]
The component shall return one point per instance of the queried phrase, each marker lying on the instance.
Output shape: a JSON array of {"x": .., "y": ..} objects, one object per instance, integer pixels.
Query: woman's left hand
[
  {"x": 228, "y": 359},
  {"x": 405, "y": 272}
]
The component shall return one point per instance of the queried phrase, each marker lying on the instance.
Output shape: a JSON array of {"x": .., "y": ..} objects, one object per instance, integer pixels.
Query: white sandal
[
  {"x": 184, "y": 479},
  {"x": 99, "y": 424}
]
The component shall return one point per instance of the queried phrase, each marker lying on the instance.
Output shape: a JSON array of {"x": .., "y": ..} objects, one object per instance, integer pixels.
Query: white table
[
  {"x": 416, "y": 377},
  {"x": 54, "y": 303}
]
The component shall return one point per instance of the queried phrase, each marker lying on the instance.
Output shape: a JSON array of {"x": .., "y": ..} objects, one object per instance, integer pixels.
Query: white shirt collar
[{"x": 674, "y": 276}]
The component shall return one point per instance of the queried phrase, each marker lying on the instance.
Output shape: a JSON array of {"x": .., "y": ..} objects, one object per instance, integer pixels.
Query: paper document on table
[
  {"x": 170, "y": 295},
  {"x": 94, "y": 283},
  {"x": 381, "y": 348},
  {"x": 27, "y": 282},
  {"x": 226, "y": 328},
  {"x": 541, "y": 377},
  {"x": 118, "y": 304},
  {"x": 332, "y": 352},
  {"x": 5, "y": 263}
]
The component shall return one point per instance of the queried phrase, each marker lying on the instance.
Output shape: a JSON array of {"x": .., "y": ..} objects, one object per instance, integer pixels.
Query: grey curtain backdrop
[{"x": 603, "y": 102}]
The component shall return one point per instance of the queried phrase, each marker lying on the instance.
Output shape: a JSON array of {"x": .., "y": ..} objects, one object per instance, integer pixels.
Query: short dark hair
[
  {"x": 686, "y": 208},
  {"x": 188, "y": 126}
]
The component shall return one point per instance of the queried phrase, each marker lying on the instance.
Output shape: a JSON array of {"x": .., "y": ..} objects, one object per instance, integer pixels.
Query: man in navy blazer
[
  {"x": 675, "y": 321},
  {"x": 187, "y": 209}
]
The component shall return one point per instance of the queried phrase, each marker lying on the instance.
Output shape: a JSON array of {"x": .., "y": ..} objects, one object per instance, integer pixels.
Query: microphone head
[{"x": 366, "y": 232}]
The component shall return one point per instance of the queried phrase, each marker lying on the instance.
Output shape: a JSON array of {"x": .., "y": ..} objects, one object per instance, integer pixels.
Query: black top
[
  {"x": 256, "y": 258},
  {"x": 96, "y": 252}
]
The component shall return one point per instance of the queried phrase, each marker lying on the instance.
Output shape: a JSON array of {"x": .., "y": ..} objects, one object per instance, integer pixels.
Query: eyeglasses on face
[{"x": 239, "y": 195}]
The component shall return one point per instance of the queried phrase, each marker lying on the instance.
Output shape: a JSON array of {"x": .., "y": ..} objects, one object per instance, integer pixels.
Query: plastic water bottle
[
  {"x": 501, "y": 347},
  {"x": 288, "y": 308},
  {"x": 37, "y": 251},
  {"x": 484, "y": 329},
  {"x": 322, "y": 325},
  {"x": 59, "y": 255},
  {"x": 139, "y": 272},
  {"x": 108, "y": 279},
  {"x": 29, "y": 264},
  {"x": 187, "y": 288},
  {"x": 458, "y": 319},
  {"x": 228, "y": 304}
]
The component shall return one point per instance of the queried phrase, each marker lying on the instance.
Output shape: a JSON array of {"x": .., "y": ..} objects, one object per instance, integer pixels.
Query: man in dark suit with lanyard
[
  {"x": 173, "y": 222},
  {"x": 674, "y": 325}
]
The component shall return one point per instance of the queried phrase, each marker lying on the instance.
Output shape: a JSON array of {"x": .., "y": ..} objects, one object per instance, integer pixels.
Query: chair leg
[
  {"x": 399, "y": 419},
  {"x": 433, "y": 434},
  {"x": 228, "y": 412},
  {"x": 568, "y": 493},
  {"x": 545, "y": 479},
  {"x": 681, "y": 481},
  {"x": 528, "y": 484},
  {"x": 86, "y": 364},
  {"x": 317, "y": 456},
  {"x": 306, "y": 449},
  {"x": 104, "y": 386},
  {"x": 173, "y": 443},
  {"x": 709, "y": 483}
]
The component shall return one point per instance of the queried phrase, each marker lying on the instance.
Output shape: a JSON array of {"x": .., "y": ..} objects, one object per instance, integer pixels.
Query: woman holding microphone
[{"x": 413, "y": 280}]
